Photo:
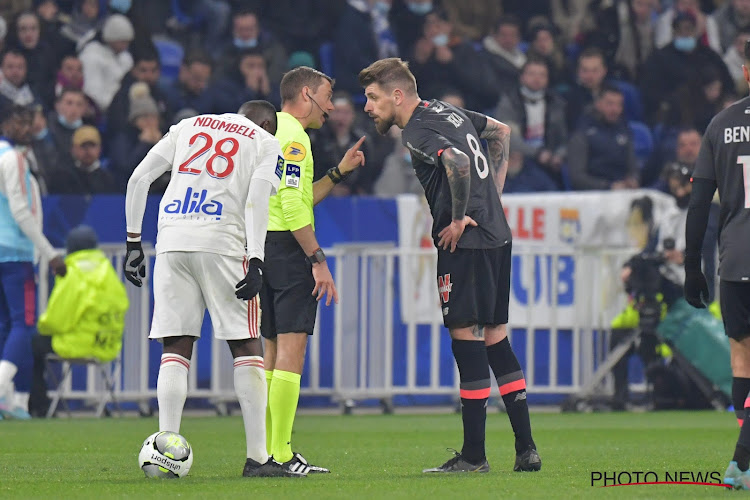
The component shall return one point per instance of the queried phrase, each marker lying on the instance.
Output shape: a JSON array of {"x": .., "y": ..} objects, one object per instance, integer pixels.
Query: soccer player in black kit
[
  {"x": 724, "y": 163},
  {"x": 463, "y": 187}
]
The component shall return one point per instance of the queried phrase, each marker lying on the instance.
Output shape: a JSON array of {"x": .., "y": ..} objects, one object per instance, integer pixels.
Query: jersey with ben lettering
[
  {"x": 213, "y": 159},
  {"x": 725, "y": 158},
  {"x": 433, "y": 127}
]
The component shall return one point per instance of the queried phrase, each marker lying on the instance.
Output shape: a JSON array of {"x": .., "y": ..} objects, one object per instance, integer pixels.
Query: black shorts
[
  {"x": 474, "y": 286},
  {"x": 286, "y": 301},
  {"x": 734, "y": 299}
]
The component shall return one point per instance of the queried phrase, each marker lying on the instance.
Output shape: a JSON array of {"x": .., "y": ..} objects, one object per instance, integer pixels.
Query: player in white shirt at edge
[{"x": 211, "y": 234}]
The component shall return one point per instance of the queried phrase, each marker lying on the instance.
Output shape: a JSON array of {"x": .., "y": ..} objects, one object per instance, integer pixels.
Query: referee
[
  {"x": 724, "y": 163},
  {"x": 296, "y": 273}
]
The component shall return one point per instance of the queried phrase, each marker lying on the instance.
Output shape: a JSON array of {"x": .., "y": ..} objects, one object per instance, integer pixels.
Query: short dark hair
[
  {"x": 389, "y": 73},
  {"x": 302, "y": 76},
  {"x": 534, "y": 59},
  {"x": 144, "y": 52},
  {"x": 609, "y": 87},
  {"x": 508, "y": 20},
  {"x": 10, "y": 111},
  {"x": 69, "y": 90},
  {"x": 11, "y": 51},
  {"x": 260, "y": 111},
  {"x": 197, "y": 56},
  {"x": 592, "y": 52}
]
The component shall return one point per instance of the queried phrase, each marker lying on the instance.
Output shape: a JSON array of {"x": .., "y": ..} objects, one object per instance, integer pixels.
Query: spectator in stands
[
  {"x": 106, "y": 62},
  {"x": 247, "y": 82},
  {"x": 70, "y": 76},
  {"x": 600, "y": 152},
  {"x": 363, "y": 36},
  {"x": 65, "y": 120},
  {"x": 22, "y": 237},
  {"x": 40, "y": 56},
  {"x": 146, "y": 69},
  {"x": 407, "y": 19},
  {"x": 191, "y": 90},
  {"x": 51, "y": 21},
  {"x": 685, "y": 152},
  {"x": 14, "y": 89},
  {"x": 625, "y": 33},
  {"x": 333, "y": 139},
  {"x": 302, "y": 24},
  {"x": 131, "y": 145},
  {"x": 572, "y": 17},
  {"x": 248, "y": 34},
  {"x": 503, "y": 51},
  {"x": 731, "y": 18},
  {"x": 86, "y": 20},
  {"x": 707, "y": 32},
  {"x": 681, "y": 61},
  {"x": 473, "y": 19},
  {"x": 85, "y": 316},
  {"x": 734, "y": 60},
  {"x": 86, "y": 174},
  {"x": 42, "y": 155},
  {"x": 590, "y": 75},
  {"x": 543, "y": 43},
  {"x": 536, "y": 116},
  {"x": 696, "y": 102},
  {"x": 397, "y": 176},
  {"x": 442, "y": 61},
  {"x": 208, "y": 18}
]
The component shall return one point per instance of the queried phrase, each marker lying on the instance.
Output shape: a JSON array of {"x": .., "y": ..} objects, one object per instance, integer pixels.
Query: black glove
[
  {"x": 696, "y": 288},
  {"x": 250, "y": 285},
  {"x": 133, "y": 265}
]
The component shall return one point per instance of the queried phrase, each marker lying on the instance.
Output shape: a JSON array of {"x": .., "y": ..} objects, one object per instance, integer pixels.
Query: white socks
[
  {"x": 21, "y": 400},
  {"x": 171, "y": 390},
  {"x": 252, "y": 393},
  {"x": 7, "y": 373}
]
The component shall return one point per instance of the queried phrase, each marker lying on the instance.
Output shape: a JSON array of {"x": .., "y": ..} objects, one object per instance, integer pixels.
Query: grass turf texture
[{"x": 371, "y": 456}]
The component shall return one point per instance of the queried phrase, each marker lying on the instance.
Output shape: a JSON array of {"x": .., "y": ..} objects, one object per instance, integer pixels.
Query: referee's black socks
[
  {"x": 512, "y": 387},
  {"x": 471, "y": 358}
]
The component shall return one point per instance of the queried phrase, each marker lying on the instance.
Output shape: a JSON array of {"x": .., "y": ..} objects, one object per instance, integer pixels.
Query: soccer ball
[{"x": 165, "y": 455}]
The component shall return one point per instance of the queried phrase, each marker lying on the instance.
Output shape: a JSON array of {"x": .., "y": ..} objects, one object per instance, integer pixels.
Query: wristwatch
[{"x": 317, "y": 257}]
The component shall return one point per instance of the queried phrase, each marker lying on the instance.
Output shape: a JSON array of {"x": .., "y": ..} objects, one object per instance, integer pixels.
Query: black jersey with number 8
[{"x": 434, "y": 127}]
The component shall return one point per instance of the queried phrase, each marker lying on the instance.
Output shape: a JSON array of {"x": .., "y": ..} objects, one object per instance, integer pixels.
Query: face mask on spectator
[
  {"x": 121, "y": 5},
  {"x": 440, "y": 40},
  {"x": 407, "y": 157},
  {"x": 42, "y": 134},
  {"x": 532, "y": 95},
  {"x": 245, "y": 44},
  {"x": 381, "y": 7},
  {"x": 66, "y": 124},
  {"x": 685, "y": 43},
  {"x": 419, "y": 9}
]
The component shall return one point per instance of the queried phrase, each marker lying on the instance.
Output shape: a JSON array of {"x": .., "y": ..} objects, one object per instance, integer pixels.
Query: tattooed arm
[
  {"x": 457, "y": 166},
  {"x": 497, "y": 135},
  {"x": 458, "y": 169}
]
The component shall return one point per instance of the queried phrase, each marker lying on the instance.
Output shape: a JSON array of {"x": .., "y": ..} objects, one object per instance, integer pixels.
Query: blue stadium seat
[
  {"x": 170, "y": 58},
  {"x": 326, "y": 58},
  {"x": 643, "y": 141},
  {"x": 633, "y": 101}
]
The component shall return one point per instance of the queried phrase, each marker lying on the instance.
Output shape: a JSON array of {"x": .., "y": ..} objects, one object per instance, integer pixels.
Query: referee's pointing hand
[{"x": 353, "y": 158}]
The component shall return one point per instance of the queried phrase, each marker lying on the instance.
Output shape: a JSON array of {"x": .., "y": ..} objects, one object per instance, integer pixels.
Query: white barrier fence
[{"x": 367, "y": 362}]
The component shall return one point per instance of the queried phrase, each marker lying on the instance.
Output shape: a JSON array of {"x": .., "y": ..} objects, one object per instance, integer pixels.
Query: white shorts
[{"x": 188, "y": 283}]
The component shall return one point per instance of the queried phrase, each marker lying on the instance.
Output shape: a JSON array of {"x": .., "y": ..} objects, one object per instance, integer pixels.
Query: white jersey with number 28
[{"x": 213, "y": 158}]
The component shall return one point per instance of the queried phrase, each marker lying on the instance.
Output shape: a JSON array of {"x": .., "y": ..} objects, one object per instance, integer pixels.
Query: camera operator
[{"x": 654, "y": 278}]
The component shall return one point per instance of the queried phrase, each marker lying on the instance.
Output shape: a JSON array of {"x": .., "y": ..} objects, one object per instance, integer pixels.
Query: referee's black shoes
[
  {"x": 528, "y": 461},
  {"x": 271, "y": 468}
]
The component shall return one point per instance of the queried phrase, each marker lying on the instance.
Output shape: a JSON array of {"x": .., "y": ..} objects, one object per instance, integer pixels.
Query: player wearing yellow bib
[{"x": 296, "y": 274}]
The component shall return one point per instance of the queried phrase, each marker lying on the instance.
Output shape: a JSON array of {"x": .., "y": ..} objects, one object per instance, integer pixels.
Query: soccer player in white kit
[{"x": 211, "y": 234}]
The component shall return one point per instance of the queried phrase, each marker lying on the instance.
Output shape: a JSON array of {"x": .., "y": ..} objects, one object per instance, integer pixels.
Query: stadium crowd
[{"x": 600, "y": 93}]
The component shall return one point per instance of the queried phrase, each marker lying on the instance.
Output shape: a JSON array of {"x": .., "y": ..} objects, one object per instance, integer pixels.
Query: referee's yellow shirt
[{"x": 291, "y": 208}]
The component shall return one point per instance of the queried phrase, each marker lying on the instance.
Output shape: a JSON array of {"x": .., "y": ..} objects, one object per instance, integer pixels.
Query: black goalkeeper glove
[
  {"x": 696, "y": 287},
  {"x": 133, "y": 265},
  {"x": 250, "y": 285}
]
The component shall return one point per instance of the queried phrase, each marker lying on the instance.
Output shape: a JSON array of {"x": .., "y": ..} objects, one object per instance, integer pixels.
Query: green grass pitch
[{"x": 371, "y": 456}]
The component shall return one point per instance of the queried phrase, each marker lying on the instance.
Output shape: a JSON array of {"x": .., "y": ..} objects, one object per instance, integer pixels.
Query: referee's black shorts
[
  {"x": 286, "y": 300},
  {"x": 474, "y": 286},
  {"x": 734, "y": 299}
]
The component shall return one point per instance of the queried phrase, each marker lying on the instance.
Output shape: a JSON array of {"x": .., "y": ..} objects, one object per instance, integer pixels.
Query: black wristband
[
  {"x": 318, "y": 257},
  {"x": 335, "y": 175}
]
